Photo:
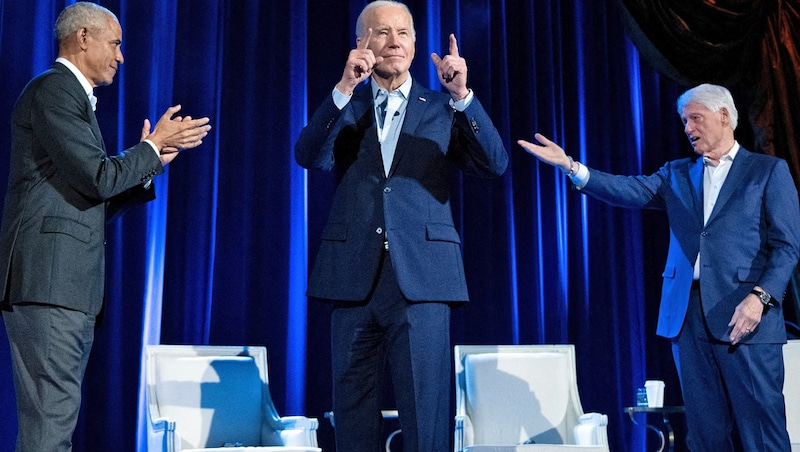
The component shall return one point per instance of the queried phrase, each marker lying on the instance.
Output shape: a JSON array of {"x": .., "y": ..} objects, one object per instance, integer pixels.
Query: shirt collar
[
  {"x": 405, "y": 88},
  {"x": 729, "y": 156},
  {"x": 87, "y": 87}
]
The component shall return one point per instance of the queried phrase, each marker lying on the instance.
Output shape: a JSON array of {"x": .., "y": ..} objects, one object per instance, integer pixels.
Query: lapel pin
[{"x": 422, "y": 99}]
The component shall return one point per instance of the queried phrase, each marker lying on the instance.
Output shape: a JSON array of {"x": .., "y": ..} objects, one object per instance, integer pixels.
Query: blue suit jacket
[
  {"x": 410, "y": 208},
  {"x": 61, "y": 189},
  {"x": 751, "y": 238}
]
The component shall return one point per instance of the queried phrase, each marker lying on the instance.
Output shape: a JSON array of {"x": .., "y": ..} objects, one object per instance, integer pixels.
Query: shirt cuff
[
  {"x": 462, "y": 104},
  {"x": 581, "y": 176},
  {"x": 153, "y": 145},
  {"x": 340, "y": 99}
]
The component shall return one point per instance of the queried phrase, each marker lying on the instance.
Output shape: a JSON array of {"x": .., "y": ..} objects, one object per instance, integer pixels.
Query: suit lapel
[
  {"x": 76, "y": 89},
  {"x": 735, "y": 178},
  {"x": 417, "y": 103},
  {"x": 364, "y": 110},
  {"x": 696, "y": 177}
]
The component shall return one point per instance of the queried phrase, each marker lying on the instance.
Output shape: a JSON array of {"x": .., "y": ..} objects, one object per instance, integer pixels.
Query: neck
[{"x": 391, "y": 83}]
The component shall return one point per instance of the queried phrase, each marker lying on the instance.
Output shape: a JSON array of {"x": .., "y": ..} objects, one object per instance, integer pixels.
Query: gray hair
[
  {"x": 82, "y": 15},
  {"x": 713, "y": 97},
  {"x": 361, "y": 26}
]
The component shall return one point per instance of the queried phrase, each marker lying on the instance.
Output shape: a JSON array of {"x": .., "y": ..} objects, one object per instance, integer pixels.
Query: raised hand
[
  {"x": 452, "y": 71},
  {"x": 360, "y": 63},
  {"x": 548, "y": 152}
]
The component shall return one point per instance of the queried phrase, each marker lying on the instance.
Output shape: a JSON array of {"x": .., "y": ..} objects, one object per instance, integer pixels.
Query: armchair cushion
[
  {"x": 222, "y": 406},
  {"x": 203, "y": 398},
  {"x": 522, "y": 398}
]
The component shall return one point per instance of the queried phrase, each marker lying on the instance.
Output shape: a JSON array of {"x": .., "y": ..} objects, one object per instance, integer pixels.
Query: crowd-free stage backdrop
[{"x": 221, "y": 257}]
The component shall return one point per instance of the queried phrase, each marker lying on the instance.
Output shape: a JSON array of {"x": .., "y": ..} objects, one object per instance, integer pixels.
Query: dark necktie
[{"x": 382, "y": 106}]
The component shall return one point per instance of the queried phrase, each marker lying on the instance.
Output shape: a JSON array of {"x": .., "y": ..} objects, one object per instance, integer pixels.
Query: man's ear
[
  {"x": 726, "y": 116},
  {"x": 83, "y": 36}
]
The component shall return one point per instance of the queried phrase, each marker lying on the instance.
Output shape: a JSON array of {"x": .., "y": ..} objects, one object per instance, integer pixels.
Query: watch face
[{"x": 763, "y": 296}]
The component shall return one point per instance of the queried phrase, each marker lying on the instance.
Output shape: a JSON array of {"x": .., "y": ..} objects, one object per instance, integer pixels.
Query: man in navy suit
[
  {"x": 62, "y": 188},
  {"x": 390, "y": 258},
  {"x": 734, "y": 238}
]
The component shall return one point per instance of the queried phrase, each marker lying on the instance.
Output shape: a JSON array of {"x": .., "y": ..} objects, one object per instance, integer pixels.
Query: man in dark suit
[
  {"x": 390, "y": 258},
  {"x": 734, "y": 239},
  {"x": 62, "y": 188}
]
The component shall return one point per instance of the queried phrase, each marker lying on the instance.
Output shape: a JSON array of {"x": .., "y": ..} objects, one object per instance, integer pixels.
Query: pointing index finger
[
  {"x": 453, "y": 45},
  {"x": 364, "y": 44}
]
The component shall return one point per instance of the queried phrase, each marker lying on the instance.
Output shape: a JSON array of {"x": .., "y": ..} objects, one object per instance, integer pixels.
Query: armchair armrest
[
  {"x": 298, "y": 431},
  {"x": 299, "y": 422},
  {"x": 162, "y": 435},
  {"x": 459, "y": 434},
  {"x": 163, "y": 424},
  {"x": 592, "y": 430}
]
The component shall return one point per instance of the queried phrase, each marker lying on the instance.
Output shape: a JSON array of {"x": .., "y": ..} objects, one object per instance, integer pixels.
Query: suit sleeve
[
  {"x": 314, "y": 147},
  {"x": 782, "y": 217},
  {"x": 475, "y": 145},
  {"x": 62, "y": 120}
]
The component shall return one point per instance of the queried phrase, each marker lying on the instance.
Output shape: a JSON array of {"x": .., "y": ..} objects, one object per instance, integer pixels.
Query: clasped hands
[{"x": 173, "y": 134}]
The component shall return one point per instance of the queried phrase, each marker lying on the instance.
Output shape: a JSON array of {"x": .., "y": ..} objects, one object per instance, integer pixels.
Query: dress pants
[
  {"x": 415, "y": 339},
  {"x": 728, "y": 385},
  {"x": 50, "y": 348}
]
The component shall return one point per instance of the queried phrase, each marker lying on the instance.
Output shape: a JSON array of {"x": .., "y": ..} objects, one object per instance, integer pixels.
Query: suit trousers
[
  {"x": 50, "y": 348},
  {"x": 729, "y": 386},
  {"x": 415, "y": 339}
]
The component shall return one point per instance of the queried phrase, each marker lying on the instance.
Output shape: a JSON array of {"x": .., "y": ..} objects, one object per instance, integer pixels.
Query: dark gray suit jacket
[
  {"x": 61, "y": 189},
  {"x": 411, "y": 207}
]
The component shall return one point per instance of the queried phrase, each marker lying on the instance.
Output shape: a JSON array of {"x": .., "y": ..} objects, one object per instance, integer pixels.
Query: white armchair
[
  {"x": 522, "y": 398},
  {"x": 208, "y": 398},
  {"x": 791, "y": 391}
]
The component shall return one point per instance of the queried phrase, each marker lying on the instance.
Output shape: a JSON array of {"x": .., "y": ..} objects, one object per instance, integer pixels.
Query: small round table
[{"x": 669, "y": 437}]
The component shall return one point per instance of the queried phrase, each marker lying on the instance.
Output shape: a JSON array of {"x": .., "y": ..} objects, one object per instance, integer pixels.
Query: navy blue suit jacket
[
  {"x": 410, "y": 208},
  {"x": 751, "y": 238}
]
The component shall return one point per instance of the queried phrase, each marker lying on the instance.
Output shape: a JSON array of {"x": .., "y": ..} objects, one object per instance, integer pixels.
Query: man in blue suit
[
  {"x": 734, "y": 238},
  {"x": 62, "y": 188},
  {"x": 390, "y": 258}
]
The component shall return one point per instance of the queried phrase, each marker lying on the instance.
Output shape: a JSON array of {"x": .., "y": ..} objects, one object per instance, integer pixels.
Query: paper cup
[{"x": 655, "y": 393}]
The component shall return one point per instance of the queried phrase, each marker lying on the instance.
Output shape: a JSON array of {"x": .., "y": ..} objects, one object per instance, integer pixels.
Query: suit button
[
  {"x": 704, "y": 234},
  {"x": 387, "y": 190},
  {"x": 379, "y": 231}
]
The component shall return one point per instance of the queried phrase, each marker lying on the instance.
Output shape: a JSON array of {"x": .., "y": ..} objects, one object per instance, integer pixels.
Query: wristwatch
[{"x": 763, "y": 296}]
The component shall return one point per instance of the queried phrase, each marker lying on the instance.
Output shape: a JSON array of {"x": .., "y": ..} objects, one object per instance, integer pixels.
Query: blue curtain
[{"x": 221, "y": 257}]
